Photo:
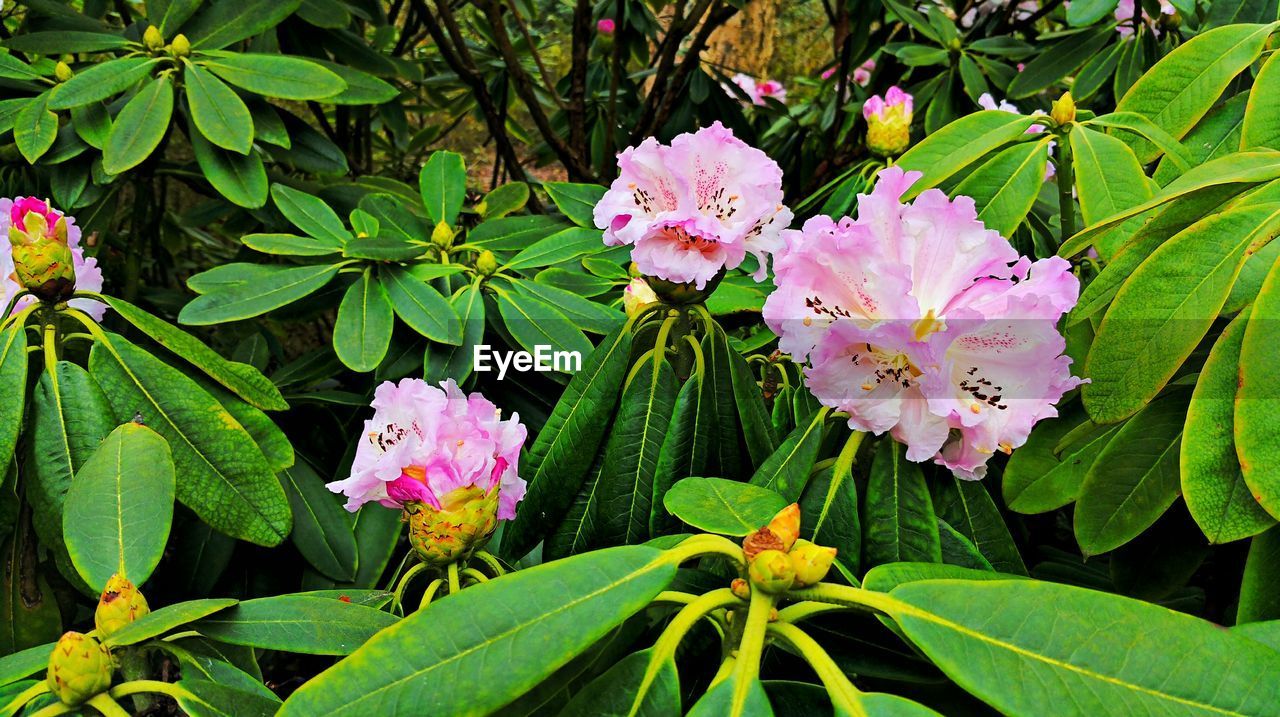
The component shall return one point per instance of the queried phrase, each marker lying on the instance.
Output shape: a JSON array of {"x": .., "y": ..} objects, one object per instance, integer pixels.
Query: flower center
[{"x": 887, "y": 366}]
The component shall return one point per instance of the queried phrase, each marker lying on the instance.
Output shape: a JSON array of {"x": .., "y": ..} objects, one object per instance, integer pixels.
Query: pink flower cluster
[
  {"x": 695, "y": 206},
  {"x": 917, "y": 320},
  {"x": 13, "y": 213},
  {"x": 758, "y": 90},
  {"x": 424, "y": 442}
]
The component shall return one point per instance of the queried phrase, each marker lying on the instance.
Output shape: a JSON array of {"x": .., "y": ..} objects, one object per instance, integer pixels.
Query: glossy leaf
[
  {"x": 13, "y": 381},
  {"x": 443, "y": 184},
  {"x": 1057, "y": 61},
  {"x": 322, "y": 529},
  {"x": 899, "y": 520},
  {"x": 1258, "y": 599},
  {"x": 969, "y": 508},
  {"x": 278, "y": 286},
  {"x": 1005, "y": 188},
  {"x": 290, "y": 245},
  {"x": 297, "y": 623},
  {"x": 945, "y": 152},
  {"x": 100, "y": 82},
  {"x": 311, "y": 215},
  {"x": 757, "y": 429},
  {"x": 686, "y": 449},
  {"x": 1257, "y": 429},
  {"x": 278, "y": 76},
  {"x": 1040, "y": 477},
  {"x": 786, "y": 470},
  {"x": 217, "y": 111},
  {"x": 535, "y": 323},
  {"x": 362, "y": 332},
  {"x": 1108, "y": 178},
  {"x": 242, "y": 179},
  {"x": 720, "y": 505},
  {"x": 420, "y": 306},
  {"x": 575, "y": 201},
  {"x": 220, "y": 24},
  {"x": 571, "y": 243},
  {"x": 615, "y": 693},
  {"x": 139, "y": 127},
  {"x": 444, "y": 361},
  {"x": 164, "y": 619},
  {"x": 829, "y": 516},
  {"x": 35, "y": 129}
]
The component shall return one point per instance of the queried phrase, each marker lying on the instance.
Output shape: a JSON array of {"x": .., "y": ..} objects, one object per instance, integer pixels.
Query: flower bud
[
  {"x": 152, "y": 38},
  {"x": 462, "y": 525},
  {"x": 888, "y": 122},
  {"x": 486, "y": 263},
  {"x": 121, "y": 603},
  {"x": 79, "y": 669},
  {"x": 811, "y": 562},
  {"x": 741, "y": 588},
  {"x": 181, "y": 46},
  {"x": 637, "y": 294},
  {"x": 62, "y": 72},
  {"x": 786, "y": 525},
  {"x": 760, "y": 541},
  {"x": 606, "y": 27},
  {"x": 442, "y": 235},
  {"x": 42, "y": 260},
  {"x": 772, "y": 572},
  {"x": 1064, "y": 109}
]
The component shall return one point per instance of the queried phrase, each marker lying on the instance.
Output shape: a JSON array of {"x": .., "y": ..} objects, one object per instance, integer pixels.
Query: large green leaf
[
  {"x": 575, "y": 201},
  {"x": 35, "y": 129},
  {"x": 959, "y": 144},
  {"x": 1040, "y": 477},
  {"x": 297, "y": 623},
  {"x": 1108, "y": 179},
  {"x": 829, "y": 515},
  {"x": 757, "y": 429},
  {"x": 514, "y": 233},
  {"x": 719, "y": 700},
  {"x": 160, "y": 621},
  {"x": 1262, "y": 113},
  {"x": 119, "y": 509},
  {"x": 290, "y": 244},
  {"x": 279, "y": 76},
  {"x": 557, "y": 462},
  {"x": 362, "y": 331},
  {"x": 139, "y": 127},
  {"x": 969, "y": 508},
  {"x": 310, "y": 214},
  {"x": 242, "y": 379},
  {"x": 1084, "y": 652},
  {"x": 720, "y": 505},
  {"x": 1005, "y": 187},
  {"x": 443, "y": 185},
  {"x": 222, "y": 23},
  {"x": 205, "y": 698},
  {"x": 224, "y": 477},
  {"x": 241, "y": 178},
  {"x": 1257, "y": 426},
  {"x": 614, "y": 694},
  {"x": 564, "y": 245},
  {"x": 443, "y": 361},
  {"x": 899, "y": 521},
  {"x": 1217, "y": 134},
  {"x": 29, "y": 613},
  {"x": 1164, "y": 309},
  {"x": 420, "y": 306},
  {"x": 100, "y": 82},
  {"x": 322, "y": 530},
  {"x": 686, "y": 449},
  {"x": 1212, "y": 483},
  {"x": 787, "y": 469},
  {"x": 1186, "y": 83},
  {"x": 1258, "y": 598},
  {"x": 727, "y": 458},
  {"x": 534, "y": 323},
  {"x": 13, "y": 381},
  {"x": 1057, "y": 61},
  {"x": 275, "y": 286},
  {"x": 217, "y": 111},
  {"x": 521, "y": 628},
  {"x": 1134, "y": 479},
  {"x": 586, "y": 314}
]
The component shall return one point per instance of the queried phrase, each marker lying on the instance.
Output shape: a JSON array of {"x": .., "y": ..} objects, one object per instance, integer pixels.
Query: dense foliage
[{"x": 933, "y": 375}]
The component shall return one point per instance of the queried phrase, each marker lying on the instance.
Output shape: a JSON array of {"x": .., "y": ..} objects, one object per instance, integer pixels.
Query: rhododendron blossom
[
  {"x": 758, "y": 90},
  {"x": 424, "y": 442},
  {"x": 13, "y": 214},
  {"x": 917, "y": 320},
  {"x": 694, "y": 207}
]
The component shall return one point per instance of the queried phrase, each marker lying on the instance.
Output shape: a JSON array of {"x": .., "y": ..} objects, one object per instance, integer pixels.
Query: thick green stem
[
  {"x": 665, "y": 648},
  {"x": 154, "y": 686},
  {"x": 844, "y": 696},
  {"x": 751, "y": 649},
  {"x": 403, "y": 584},
  {"x": 53, "y": 710},
  {"x": 1066, "y": 180},
  {"x": 475, "y": 575},
  {"x": 706, "y": 544},
  {"x": 25, "y": 696},
  {"x": 858, "y": 598},
  {"x": 494, "y": 565},
  {"x": 429, "y": 594},
  {"x": 455, "y": 584},
  {"x": 107, "y": 706},
  {"x": 801, "y": 611}
]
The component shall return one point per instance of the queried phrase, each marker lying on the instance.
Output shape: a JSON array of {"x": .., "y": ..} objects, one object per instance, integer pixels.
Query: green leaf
[
  {"x": 1262, "y": 113},
  {"x": 29, "y": 613},
  {"x": 1226, "y": 12},
  {"x": 945, "y": 152},
  {"x": 242, "y": 179},
  {"x": 625, "y": 488},
  {"x": 290, "y": 244},
  {"x": 63, "y": 42},
  {"x": 35, "y": 129},
  {"x": 217, "y": 111},
  {"x": 726, "y": 454},
  {"x": 119, "y": 509},
  {"x": 786, "y": 470},
  {"x": 562, "y": 246},
  {"x": 533, "y": 323},
  {"x": 585, "y": 314},
  {"x": 13, "y": 381},
  {"x": 225, "y": 478},
  {"x": 420, "y": 306},
  {"x": 204, "y": 698},
  {"x": 1178, "y": 155},
  {"x": 160, "y": 621},
  {"x": 1217, "y": 134},
  {"x": 223, "y": 23},
  {"x": 362, "y": 332},
  {"x": 1258, "y": 599},
  {"x": 92, "y": 123},
  {"x": 577, "y": 282},
  {"x": 576, "y": 201},
  {"x": 829, "y": 515},
  {"x": 443, "y": 185},
  {"x": 615, "y": 693},
  {"x": 1108, "y": 177},
  {"x": 556, "y": 609},
  {"x": 297, "y": 623},
  {"x": 723, "y": 506},
  {"x": 173, "y": 14},
  {"x": 1088, "y": 12},
  {"x": 1082, "y": 651},
  {"x": 512, "y": 233},
  {"x": 900, "y": 524},
  {"x": 557, "y": 462},
  {"x": 15, "y": 69},
  {"x": 884, "y": 578},
  {"x": 310, "y": 214},
  {"x": 1187, "y": 82},
  {"x": 1037, "y": 480},
  {"x": 100, "y": 82},
  {"x": 70, "y": 417},
  {"x": 1134, "y": 479},
  {"x": 1212, "y": 482},
  {"x": 504, "y": 199},
  {"x": 757, "y": 429},
  {"x": 1257, "y": 429},
  {"x": 958, "y": 549},
  {"x": 242, "y": 379},
  {"x": 1056, "y": 62},
  {"x": 685, "y": 450},
  {"x": 278, "y": 76},
  {"x": 267, "y": 125},
  {"x": 1164, "y": 309},
  {"x": 446, "y": 361},
  {"x": 719, "y": 700},
  {"x": 394, "y": 220},
  {"x": 322, "y": 530},
  {"x": 139, "y": 127},
  {"x": 968, "y": 507},
  {"x": 278, "y": 286},
  {"x": 24, "y": 663},
  {"x": 1005, "y": 188}
]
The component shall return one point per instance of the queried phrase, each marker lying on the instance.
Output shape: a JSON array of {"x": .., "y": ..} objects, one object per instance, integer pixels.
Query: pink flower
[
  {"x": 694, "y": 207},
  {"x": 917, "y": 320},
  {"x": 13, "y": 213},
  {"x": 828, "y": 73},
  {"x": 424, "y": 442},
  {"x": 757, "y": 90},
  {"x": 862, "y": 75},
  {"x": 605, "y": 26},
  {"x": 888, "y": 122},
  {"x": 771, "y": 88}
]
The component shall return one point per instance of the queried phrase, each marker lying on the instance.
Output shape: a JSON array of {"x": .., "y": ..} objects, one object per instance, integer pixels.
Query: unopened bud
[
  {"x": 811, "y": 562},
  {"x": 772, "y": 572},
  {"x": 62, "y": 72},
  {"x": 79, "y": 669},
  {"x": 462, "y": 525},
  {"x": 760, "y": 541},
  {"x": 637, "y": 294},
  {"x": 486, "y": 263},
  {"x": 121, "y": 603},
  {"x": 1064, "y": 109},
  {"x": 786, "y": 525},
  {"x": 152, "y": 38},
  {"x": 442, "y": 235},
  {"x": 741, "y": 588},
  {"x": 181, "y": 46}
]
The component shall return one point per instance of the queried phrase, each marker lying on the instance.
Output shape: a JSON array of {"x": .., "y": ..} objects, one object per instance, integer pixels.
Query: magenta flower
[
  {"x": 917, "y": 320},
  {"x": 13, "y": 213},
  {"x": 695, "y": 207},
  {"x": 771, "y": 88},
  {"x": 862, "y": 75},
  {"x": 425, "y": 442},
  {"x": 605, "y": 26}
]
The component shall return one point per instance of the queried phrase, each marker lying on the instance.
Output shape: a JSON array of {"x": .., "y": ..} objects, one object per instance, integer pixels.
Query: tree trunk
[{"x": 745, "y": 43}]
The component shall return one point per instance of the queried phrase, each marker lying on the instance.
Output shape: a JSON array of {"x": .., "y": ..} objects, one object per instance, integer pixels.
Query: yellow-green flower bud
[
  {"x": 442, "y": 235},
  {"x": 153, "y": 39},
  {"x": 889, "y": 122},
  {"x": 79, "y": 668},
  {"x": 772, "y": 572},
  {"x": 811, "y": 562},
  {"x": 62, "y": 72},
  {"x": 741, "y": 588},
  {"x": 786, "y": 525},
  {"x": 1064, "y": 109},
  {"x": 466, "y": 519},
  {"x": 637, "y": 294},
  {"x": 42, "y": 260},
  {"x": 181, "y": 46},
  {"x": 121, "y": 603},
  {"x": 486, "y": 263}
]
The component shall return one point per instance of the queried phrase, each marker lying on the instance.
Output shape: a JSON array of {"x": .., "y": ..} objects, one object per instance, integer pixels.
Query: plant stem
[
  {"x": 492, "y": 562},
  {"x": 429, "y": 594},
  {"x": 844, "y": 696},
  {"x": 801, "y": 611},
  {"x": 751, "y": 649},
  {"x": 674, "y": 597},
  {"x": 707, "y": 544},
  {"x": 403, "y": 584},
  {"x": 859, "y": 598},
  {"x": 107, "y": 706},
  {"x": 57, "y": 708},
  {"x": 454, "y": 584},
  {"x": 134, "y": 687},
  {"x": 25, "y": 696},
  {"x": 1066, "y": 180},
  {"x": 665, "y": 648},
  {"x": 475, "y": 575}
]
